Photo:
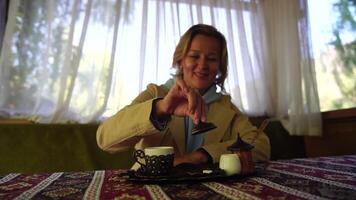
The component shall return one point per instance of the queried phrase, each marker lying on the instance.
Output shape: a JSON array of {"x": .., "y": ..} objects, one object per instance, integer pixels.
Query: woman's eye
[{"x": 194, "y": 56}]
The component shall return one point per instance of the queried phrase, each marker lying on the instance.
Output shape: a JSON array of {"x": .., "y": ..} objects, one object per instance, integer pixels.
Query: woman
[{"x": 165, "y": 114}]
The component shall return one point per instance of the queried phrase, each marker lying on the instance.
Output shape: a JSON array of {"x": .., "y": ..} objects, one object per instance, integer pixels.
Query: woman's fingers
[
  {"x": 197, "y": 110},
  {"x": 203, "y": 111},
  {"x": 182, "y": 86},
  {"x": 193, "y": 105},
  {"x": 197, "y": 106}
]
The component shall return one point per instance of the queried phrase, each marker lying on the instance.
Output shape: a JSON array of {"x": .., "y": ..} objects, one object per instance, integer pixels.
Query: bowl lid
[{"x": 240, "y": 145}]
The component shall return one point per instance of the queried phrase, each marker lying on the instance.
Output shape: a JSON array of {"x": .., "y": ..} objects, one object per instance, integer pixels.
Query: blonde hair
[{"x": 185, "y": 41}]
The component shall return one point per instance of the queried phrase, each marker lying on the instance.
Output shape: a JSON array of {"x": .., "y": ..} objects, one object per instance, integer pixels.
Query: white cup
[
  {"x": 159, "y": 150},
  {"x": 157, "y": 160},
  {"x": 230, "y": 163}
]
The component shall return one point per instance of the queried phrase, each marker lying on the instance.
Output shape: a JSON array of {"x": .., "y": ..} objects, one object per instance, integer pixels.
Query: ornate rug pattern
[{"x": 307, "y": 178}]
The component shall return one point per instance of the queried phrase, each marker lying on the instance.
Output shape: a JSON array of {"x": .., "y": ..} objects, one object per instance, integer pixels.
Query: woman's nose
[{"x": 203, "y": 62}]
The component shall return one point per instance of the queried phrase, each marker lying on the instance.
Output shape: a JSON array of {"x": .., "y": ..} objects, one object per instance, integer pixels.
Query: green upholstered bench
[
  {"x": 283, "y": 145},
  {"x": 32, "y": 148}
]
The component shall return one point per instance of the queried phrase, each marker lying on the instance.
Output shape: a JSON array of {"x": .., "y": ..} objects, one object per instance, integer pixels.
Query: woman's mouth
[{"x": 201, "y": 74}]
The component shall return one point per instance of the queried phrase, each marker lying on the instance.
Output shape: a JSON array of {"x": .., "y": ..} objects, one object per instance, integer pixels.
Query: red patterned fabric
[{"x": 310, "y": 178}]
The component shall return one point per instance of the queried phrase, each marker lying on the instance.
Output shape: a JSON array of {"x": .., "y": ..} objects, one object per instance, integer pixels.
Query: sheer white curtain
[
  {"x": 3, "y": 9},
  {"x": 81, "y": 60},
  {"x": 290, "y": 74}
]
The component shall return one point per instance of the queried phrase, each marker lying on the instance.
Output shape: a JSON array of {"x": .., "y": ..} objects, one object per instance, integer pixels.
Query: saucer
[{"x": 182, "y": 173}]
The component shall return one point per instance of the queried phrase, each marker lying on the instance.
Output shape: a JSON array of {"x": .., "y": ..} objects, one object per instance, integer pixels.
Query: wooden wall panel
[{"x": 339, "y": 135}]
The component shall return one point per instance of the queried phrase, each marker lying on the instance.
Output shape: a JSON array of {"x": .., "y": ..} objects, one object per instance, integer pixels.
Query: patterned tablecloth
[{"x": 312, "y": 178}]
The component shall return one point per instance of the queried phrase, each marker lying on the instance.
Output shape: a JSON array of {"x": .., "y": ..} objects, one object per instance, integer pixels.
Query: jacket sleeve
[
  {"x": 130, "y": 124},
  {"x": 250, "y": 134},
  {"x": 241, "y": 125}
]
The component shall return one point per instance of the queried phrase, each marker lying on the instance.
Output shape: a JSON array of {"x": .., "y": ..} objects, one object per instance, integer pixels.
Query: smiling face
[{"x": 201, "y": 63}]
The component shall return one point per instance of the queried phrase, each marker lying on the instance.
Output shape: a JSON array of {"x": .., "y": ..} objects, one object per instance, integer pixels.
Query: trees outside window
[{"x": 333, "y": 29}]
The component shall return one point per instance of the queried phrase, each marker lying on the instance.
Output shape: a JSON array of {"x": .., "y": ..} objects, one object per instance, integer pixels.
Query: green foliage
[
  {"x": 39, "y": 45},
  {"x": 345, "y": 66}
]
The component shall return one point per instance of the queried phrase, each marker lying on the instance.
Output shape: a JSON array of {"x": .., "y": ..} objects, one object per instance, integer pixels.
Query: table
[{"x": 308, "y": 178}]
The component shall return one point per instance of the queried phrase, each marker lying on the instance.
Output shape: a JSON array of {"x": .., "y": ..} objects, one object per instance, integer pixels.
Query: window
[
  {"x": 65, "y": 55},
  {"x": 3, "y": 17},
  {"x": 333, "y": 31}
]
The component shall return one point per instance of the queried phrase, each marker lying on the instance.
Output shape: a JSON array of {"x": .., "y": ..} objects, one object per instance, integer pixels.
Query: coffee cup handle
[{"x": 139, "y": 154}]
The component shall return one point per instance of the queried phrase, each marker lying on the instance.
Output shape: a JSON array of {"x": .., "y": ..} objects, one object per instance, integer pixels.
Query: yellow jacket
[{"x": 132, "y": 126}]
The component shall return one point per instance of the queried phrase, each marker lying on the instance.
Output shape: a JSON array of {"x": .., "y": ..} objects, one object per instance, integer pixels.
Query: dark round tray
[{"x": 182, "y": 173}]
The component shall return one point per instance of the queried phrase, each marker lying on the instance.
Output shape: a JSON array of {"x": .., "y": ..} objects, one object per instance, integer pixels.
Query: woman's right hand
[{"x": 182, "y": 100}]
